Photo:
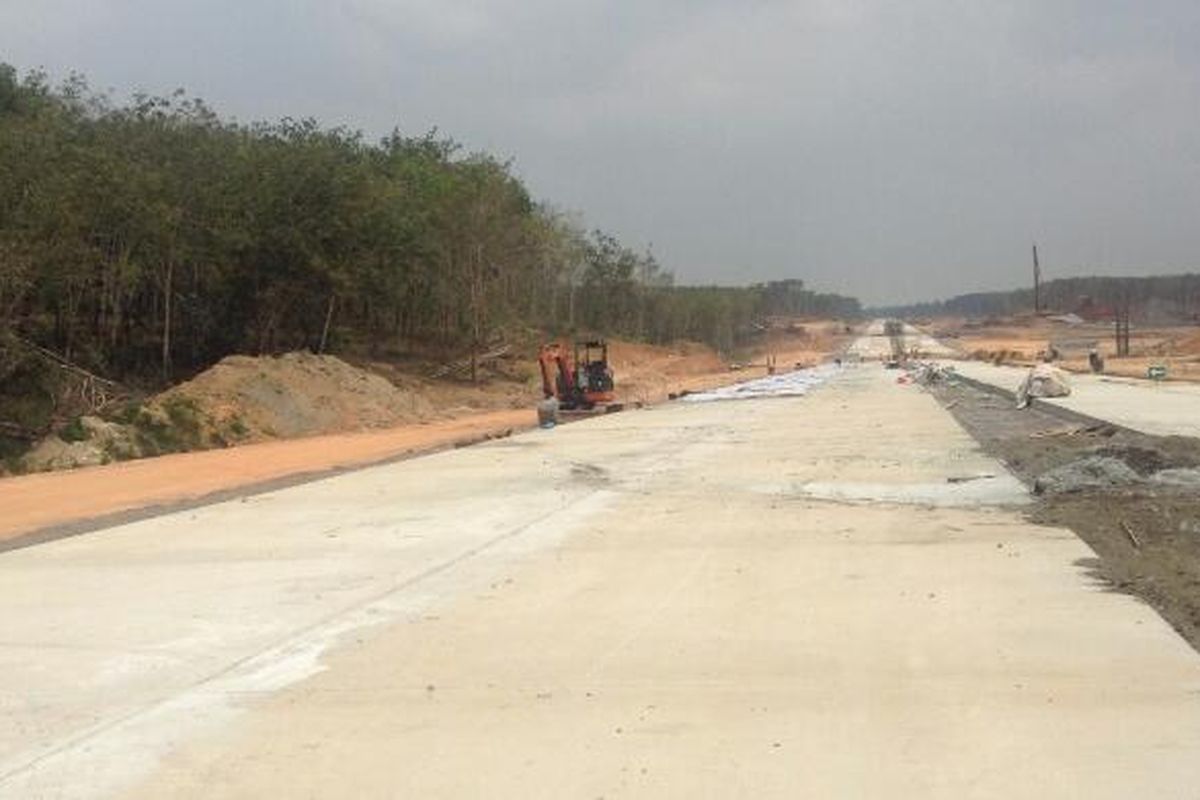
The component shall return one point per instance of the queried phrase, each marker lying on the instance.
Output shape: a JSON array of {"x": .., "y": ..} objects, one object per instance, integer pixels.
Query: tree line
[
  {"x": 146, "y": 240},
  {"x": 1152, "y": 299}
]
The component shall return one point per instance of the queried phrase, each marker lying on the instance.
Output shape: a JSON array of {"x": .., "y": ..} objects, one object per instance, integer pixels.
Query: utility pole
[
  {"x": 1121, "y": 318},
  {"x": 1037, "y": 282}
]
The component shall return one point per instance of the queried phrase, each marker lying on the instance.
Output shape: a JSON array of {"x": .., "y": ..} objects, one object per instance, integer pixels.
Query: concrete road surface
[
  {"x": 761, "y": 598},
  {"x": 1167, "y": 409},
  {"x": 875, "y": 344}
]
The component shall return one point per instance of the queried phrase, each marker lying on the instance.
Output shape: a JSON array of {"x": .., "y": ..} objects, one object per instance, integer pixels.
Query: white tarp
[
  {"x": 1043, "y": 381},
  {"x": 788, "y": 384}
]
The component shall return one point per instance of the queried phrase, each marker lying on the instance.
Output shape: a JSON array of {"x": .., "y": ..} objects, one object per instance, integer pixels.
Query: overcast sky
[{"x": 891, "y": 150}]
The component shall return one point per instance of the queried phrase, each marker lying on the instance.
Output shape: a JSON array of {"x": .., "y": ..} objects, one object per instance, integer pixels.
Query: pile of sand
[
  {"x": 247, "y": 399},
  {"x": 296, "y": 394}
]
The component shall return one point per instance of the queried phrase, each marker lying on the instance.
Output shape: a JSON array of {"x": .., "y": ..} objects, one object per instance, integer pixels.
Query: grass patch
[
  {"x": 184, "y": 415},
  {"x": 11, "y": 456},
  {"x": 238, "y": 428},
  {"x": 177, "y": 429},
  {"x": 74, "y": 431}
]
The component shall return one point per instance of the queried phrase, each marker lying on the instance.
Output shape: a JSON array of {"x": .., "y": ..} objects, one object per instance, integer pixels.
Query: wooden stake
[
  {"x": 1037, "y": 282},
  {"x": 1132, "y": 536}
]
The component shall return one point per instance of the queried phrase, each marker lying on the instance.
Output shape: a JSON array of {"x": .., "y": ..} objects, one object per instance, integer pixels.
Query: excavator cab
[{"x": 593, "y": 376}]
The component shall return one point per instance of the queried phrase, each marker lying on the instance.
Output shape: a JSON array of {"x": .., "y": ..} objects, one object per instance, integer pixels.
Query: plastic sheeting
[
  {"x": 788, "y": 384},
  {"x": 1042, "y": 381}
]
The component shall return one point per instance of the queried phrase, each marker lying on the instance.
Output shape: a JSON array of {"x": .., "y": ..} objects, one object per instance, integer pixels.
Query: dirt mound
[{"x": 297, "y": 394}]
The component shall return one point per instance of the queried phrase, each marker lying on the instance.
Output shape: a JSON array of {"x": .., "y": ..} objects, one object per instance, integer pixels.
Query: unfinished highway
[
  {"x": 833, "y": 595},
  {"x": 1167, "y": 409}
]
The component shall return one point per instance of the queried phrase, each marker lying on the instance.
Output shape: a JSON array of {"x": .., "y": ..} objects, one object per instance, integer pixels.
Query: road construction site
[
  {"x": 1166, "y": 409},
  {"x": 831, "y": 591}
]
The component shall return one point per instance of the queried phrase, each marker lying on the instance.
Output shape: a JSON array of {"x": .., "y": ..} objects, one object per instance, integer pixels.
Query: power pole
[
  {"x": 1037, "y": 282},
  {"x": 1121, "y": 317}
]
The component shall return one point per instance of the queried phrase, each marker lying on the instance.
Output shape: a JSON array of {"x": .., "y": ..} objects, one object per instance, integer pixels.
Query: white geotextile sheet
[{"x": 788, "y": 384}]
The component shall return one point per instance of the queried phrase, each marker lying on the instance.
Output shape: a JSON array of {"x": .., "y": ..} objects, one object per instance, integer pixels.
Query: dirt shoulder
[
  {"x": 33, "y": 503},
  {"x": 391, "y": 414},
  {"x": 1144, "y": 529},
  {"x": 49, "y": 504}
]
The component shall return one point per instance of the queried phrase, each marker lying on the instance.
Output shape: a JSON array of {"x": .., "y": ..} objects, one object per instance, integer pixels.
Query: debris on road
[
  {"x": 1092, "y": 472},
  {"x": 969, "y": 478},
  {"x": 1073, "y": 430},
  {"x": 926, "y": 373}
]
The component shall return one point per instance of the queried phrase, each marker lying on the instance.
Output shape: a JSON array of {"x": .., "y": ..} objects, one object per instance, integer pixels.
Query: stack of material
[
  {"x": 1042, "y": 381},
  {"x": 462, "y": 367},
  {"x": 925, "y": 373}
]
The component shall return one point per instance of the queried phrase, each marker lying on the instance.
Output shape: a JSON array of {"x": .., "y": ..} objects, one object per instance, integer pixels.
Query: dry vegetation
[{"x": 1022, "y": 339}]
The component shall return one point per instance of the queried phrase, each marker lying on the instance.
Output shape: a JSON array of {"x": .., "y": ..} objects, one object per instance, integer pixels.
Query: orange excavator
[{"x": 580, "y": 386}]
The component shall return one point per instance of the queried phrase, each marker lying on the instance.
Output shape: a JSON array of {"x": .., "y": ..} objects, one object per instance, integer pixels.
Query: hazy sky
[{"x": 891, "y": 150}]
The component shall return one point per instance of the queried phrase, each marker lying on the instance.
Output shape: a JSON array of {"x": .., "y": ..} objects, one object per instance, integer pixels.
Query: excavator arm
[{"x": 557, "y": 380}]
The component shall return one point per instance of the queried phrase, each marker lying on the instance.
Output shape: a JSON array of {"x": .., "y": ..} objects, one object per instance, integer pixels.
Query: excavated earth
[
  {"x": 244, "y": 400},
  {"x": 1144, "y": 529}
]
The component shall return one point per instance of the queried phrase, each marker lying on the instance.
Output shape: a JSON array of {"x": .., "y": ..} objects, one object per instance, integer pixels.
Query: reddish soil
[
  {"x": 1021, "y": 341},
  {"x": 644, "y": 374},
  {"x": 33, "y": 502}
]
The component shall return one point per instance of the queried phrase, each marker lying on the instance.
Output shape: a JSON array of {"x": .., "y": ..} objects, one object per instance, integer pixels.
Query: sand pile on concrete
[{"x": 295, "y": 394}]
